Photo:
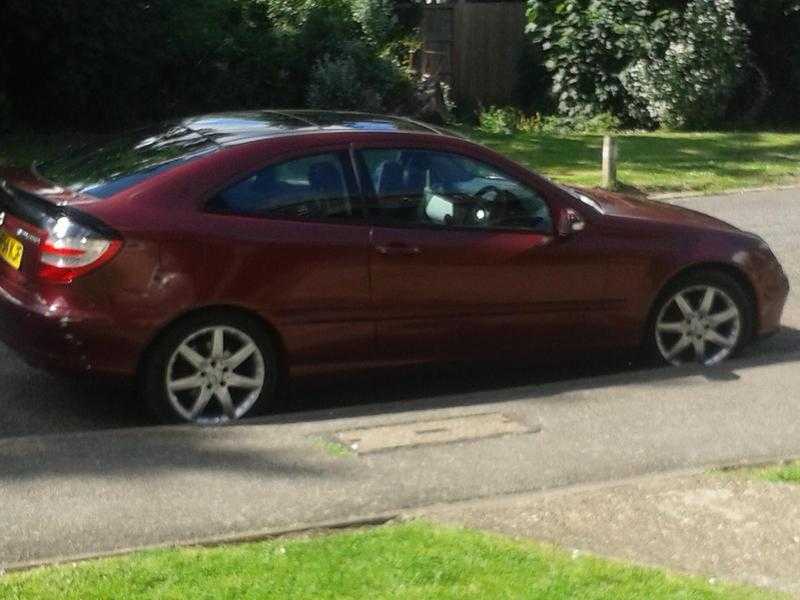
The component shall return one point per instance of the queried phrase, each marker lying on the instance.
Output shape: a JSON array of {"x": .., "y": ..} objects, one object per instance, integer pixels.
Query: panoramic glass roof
[
  {"x": 114, "y": 165},
  {"x": 231, "y": 127}
]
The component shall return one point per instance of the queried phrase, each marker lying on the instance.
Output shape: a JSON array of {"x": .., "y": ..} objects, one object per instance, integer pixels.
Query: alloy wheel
[
  {"x": 215, "y": 375},
  {"x": 699, "y": 324}
]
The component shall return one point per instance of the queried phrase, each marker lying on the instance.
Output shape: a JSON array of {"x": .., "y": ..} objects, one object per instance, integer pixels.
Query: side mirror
[{"x": 569, "y": 223}]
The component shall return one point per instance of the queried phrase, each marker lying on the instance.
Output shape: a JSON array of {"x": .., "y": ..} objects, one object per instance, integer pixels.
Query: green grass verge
[
  {"x": 660, "y": 161},
  {"x": 785, "y": 473},
  {"x": 650, "y": 162},
  {"x": 409, "y": 561},
  {"x": 333, "y": 449}
]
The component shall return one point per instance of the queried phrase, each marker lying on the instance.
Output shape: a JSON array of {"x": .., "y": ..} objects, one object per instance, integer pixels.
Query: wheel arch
[
  {"x": 731, "y": 270},
  {"x": 222, "y": 309}
]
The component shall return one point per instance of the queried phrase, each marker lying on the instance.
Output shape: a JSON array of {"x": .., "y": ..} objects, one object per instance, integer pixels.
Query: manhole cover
[{"x": 440, "y": 431}]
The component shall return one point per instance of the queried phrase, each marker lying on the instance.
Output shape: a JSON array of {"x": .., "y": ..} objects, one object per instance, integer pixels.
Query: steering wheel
[{"x": 489, "y": 188}]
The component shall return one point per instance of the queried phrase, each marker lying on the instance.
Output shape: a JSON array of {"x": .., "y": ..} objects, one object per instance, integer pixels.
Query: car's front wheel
[
  {"x": 703, "y": 318},
  {"x": 210, "y": 369}
]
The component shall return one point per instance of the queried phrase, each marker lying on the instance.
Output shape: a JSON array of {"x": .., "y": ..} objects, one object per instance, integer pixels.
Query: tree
[
  {"x": 586, "y": 44},
  {"x": 690, "y": 74}
]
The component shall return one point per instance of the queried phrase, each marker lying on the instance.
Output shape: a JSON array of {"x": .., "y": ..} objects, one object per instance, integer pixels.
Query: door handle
[{"x": 397, "y": 249}]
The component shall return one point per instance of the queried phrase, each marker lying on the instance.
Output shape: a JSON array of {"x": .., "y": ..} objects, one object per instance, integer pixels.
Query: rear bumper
[{"x": 52, "y": 334}]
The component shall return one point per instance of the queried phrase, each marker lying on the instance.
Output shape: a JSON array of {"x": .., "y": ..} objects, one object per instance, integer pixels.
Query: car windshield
[{"x": 108, "y": 168}]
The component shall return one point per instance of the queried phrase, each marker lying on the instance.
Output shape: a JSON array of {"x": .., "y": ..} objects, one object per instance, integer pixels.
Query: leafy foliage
[
  {"x": 105, "y": 65},
  {"x": 649, "y": 62},
  {"x": 377, "y": 19},
  {"x": 510, "y": 120},
  {"x": 689, "y": 76},
  {"x": 586, "y": 44},
  {"x": 344, "y": 82}
]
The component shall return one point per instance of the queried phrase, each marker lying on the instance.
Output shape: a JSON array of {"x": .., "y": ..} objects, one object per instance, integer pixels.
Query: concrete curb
[
  {"x": 733, "y": 192},
  {"x": 210, "y": 542}
]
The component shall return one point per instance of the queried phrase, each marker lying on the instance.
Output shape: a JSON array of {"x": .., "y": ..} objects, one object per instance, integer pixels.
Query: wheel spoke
[
  {"x": 708, "y": 301},
  {"x": 683, "y": 305},
  {"x": 240, "y": 381},
  {"x": 723, "y": 317},
  {"x": 699, "y": 349},
  {"x": 710, "y": 325},
  {"x": 201, "y": 402},
  {"x": 218, "y": 343},
  {"x": 681, "y": 345},
  {"x": 225, "y": 400},
  {"x": 187, "y": 383},
  {"x": 716, "y": 338},
  {"x": 242, "y": 355},
  {"x": 191, "y": 356},
  {"x": 226, "y": 380}
]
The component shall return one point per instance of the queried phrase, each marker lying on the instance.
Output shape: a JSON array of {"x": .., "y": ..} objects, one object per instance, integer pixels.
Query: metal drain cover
[{"x": 440, "y": 431}]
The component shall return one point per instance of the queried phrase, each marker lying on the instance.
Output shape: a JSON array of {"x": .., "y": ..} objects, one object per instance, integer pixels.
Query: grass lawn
[
  {"x": 650, "y": 162},
  {"x": 409, "y": 561},
  {"x": 660, "y": 161},
  {"x": 786, "y": 473}
]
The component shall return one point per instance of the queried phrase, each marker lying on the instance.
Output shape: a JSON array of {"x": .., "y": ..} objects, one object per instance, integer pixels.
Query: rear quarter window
[{"x": 111, "y": 167}]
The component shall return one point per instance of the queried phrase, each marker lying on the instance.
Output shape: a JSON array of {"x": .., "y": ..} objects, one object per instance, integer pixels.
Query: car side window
[
  {"x": 426, "y": 187},
  {"x": 317, "y": 187}
]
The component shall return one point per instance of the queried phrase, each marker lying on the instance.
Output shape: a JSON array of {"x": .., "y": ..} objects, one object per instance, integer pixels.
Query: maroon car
[{"x": 213, "y": 256}]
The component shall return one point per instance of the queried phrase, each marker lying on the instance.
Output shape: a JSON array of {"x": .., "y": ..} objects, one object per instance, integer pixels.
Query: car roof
[{"x": 237, "y": 127}]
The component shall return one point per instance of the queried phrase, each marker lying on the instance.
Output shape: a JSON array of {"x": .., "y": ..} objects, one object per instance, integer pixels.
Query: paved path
[
  {"x": 90, "y": 491},
  {"x": 711, "y": 525}
]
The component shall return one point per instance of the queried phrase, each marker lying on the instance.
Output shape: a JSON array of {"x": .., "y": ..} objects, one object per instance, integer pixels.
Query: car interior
[
  {"x": 414, "y": 187},
  {"x": 436, "y": 188},
  {"x": 312, "y": 187}
]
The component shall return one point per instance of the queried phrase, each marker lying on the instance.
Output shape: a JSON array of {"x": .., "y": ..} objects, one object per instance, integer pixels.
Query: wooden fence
[{"x": 475, "y": 47}]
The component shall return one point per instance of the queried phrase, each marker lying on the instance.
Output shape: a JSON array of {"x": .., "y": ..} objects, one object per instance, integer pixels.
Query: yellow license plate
[{"x": 10, "y": 250}]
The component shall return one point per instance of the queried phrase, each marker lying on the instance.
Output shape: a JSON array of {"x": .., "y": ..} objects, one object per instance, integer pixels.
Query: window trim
[
  {"x": 372, "y": 206},
  {"x": 341, "y": 152}
]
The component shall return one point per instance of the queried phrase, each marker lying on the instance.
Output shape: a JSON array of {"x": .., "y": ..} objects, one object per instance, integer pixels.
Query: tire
[
  {"x": 678, "y": 330},
  {"x": 210, "y": 369}
]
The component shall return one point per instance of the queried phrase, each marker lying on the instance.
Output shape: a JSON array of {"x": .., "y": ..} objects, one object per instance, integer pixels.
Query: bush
[
  {"x": 507, "y": 120},
  {"x": 687, "y": 81},
  {"x": 354, "y": 79},
  {"x": 598, "y": 124},
  {"x": 108, "y": 65},
  {"x": 105, "y": 64},
  {"x": 503, "y": 120},
  {"x": 377, "y": 19},
  {"x": 585, "y": 45},
  {"x": 337, "y": 83}
]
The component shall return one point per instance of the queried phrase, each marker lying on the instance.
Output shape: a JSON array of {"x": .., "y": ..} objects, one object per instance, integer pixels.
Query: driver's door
[{"x": 464, "y": 262}]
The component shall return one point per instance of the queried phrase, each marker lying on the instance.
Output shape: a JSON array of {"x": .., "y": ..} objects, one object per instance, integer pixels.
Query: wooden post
[{"x": 609, "y": 163}]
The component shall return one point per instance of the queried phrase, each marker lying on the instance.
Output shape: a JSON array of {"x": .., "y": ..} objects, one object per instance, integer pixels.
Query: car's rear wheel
[
  {"x": 209, "y": 370},
  {"x": 703, "y": 318}
]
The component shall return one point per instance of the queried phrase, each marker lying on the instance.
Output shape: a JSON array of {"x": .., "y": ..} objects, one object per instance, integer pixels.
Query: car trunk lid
[{"x": 39, "y": 221}]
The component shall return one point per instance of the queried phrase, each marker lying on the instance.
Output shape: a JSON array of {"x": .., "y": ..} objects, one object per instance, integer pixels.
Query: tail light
[
  {"x": 72, "y": 249},
  {"x": 70, "y": 242}
]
